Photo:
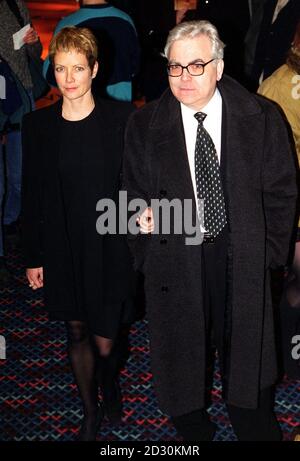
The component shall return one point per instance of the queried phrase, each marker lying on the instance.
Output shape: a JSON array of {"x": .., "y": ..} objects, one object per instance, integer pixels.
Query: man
[
  {"x": 118, "y": 46},
  {"x": 208, "y": 139}
]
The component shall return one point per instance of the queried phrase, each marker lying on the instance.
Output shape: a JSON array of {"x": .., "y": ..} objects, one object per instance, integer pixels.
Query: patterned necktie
[{"x": 208, "y": 181}]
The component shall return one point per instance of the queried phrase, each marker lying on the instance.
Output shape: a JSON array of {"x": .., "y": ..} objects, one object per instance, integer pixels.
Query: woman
[{"x": 72, "y": 159}]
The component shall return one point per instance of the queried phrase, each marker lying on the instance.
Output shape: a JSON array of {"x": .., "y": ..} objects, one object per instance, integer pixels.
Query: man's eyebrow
[{"x": 198, "y": 60}]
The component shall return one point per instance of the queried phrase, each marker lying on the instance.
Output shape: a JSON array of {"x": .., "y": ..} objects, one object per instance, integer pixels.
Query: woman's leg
[
  {"x": 82, "y": 359},
  {"x": 108, "y": 377}
]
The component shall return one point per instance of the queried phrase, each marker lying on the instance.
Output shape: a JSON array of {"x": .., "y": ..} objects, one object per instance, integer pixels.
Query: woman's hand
[
  {"x": 35, "y": 277},
  {"x": 31, "y": 36},
  {"x": 146, "y": 221}
]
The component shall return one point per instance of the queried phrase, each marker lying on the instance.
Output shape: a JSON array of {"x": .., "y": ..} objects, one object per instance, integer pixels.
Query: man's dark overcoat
[{"x": 259, "y": 179}]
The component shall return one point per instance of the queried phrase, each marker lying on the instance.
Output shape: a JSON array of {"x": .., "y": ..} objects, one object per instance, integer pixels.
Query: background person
[
  {"x": 283, "y": 87},
  {"x": 116, "y": 34},
  {"x": 18, "y": 101}
]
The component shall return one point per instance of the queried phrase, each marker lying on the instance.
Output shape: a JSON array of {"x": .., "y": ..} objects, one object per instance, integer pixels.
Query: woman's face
[{"x": 73, "y": 74}]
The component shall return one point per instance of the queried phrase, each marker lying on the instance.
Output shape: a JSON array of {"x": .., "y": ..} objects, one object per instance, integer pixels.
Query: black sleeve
[
  {"x": 136, "y": 184},
  {"x": 280, "y": 189}
]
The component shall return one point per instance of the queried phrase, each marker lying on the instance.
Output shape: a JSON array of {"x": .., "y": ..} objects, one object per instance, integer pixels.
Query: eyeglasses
[{"x": 194, "y": 69}]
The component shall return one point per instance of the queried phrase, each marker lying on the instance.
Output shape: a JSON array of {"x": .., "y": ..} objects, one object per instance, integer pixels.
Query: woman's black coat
[{"x": 107, "y": 267}]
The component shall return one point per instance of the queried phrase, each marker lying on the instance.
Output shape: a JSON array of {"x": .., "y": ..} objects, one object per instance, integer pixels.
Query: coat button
[
  {"x": 163, "y": 193},
  {"x": 164, "y": 289},
  {"x": 163, "y": 241}
]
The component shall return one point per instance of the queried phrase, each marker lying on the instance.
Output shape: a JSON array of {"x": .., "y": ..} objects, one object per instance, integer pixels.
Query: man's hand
[
  {"x": 31, "y": 36},
  {"x": 146, "y": 221},
  {"x": 35, "y": 277}
]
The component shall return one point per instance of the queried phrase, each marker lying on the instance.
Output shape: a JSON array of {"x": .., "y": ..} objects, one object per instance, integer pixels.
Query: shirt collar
[{"x": 213, "y": 105}]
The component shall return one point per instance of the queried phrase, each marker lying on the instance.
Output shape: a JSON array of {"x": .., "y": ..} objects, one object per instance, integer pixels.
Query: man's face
[{"x": 194, "y": 92}]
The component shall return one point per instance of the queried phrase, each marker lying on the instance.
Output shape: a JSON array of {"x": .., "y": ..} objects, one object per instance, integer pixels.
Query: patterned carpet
[{"x": 38, "y": 399}]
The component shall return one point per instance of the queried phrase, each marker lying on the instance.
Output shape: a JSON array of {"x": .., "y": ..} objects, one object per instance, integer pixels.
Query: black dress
[
  {"x": 67, "y": 168},
  {"x": 80, "y": 158}
]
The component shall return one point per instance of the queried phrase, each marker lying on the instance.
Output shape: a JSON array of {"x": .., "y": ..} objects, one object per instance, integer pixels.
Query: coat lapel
[
  {"x": 171, "y": 153},
  {"x": 240, "y": 116}
]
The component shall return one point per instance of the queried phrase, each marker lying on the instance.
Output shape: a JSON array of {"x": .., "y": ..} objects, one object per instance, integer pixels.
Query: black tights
[{"x": 93, "y": 361}]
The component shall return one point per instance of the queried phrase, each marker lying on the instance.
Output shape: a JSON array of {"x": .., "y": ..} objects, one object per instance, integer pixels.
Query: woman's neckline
[{"x": 79, "y": 120}]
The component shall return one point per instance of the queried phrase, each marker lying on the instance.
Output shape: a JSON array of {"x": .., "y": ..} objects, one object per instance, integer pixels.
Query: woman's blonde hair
[{"x": 80, "y": 39}]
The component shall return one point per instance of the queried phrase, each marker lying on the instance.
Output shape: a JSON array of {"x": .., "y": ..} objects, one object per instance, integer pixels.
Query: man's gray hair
[{"x": 191, "y": 29}]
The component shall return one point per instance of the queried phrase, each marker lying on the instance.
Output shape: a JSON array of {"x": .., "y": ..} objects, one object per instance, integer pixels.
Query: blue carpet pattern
[{"x": 38, "y": 399}]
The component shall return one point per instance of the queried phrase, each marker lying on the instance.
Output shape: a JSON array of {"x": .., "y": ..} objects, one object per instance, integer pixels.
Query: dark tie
[{"x": 208, "y": 181}]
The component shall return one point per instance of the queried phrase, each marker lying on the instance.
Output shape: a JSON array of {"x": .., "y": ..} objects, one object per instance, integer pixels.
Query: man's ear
[
  {"x": 220, "y": 69},
  {"x": 95, "y": 69}
]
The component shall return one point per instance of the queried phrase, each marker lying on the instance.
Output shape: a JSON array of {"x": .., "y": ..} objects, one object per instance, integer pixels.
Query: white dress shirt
[{"x": 212, "y": 124}]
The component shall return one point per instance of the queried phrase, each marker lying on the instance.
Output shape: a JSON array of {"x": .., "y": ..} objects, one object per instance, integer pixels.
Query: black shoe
[
  {"x": 195, "y": 434},
  {"x": 112, "y": 402},
  {"x": 89, "y": 429},
  {"x": 195, "y": 426}
]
